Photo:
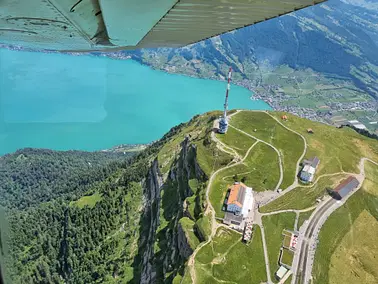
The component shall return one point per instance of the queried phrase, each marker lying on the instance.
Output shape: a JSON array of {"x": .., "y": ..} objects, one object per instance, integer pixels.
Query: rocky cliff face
[
  {"x": 164, "y": 203},
  {"x": 183, "y": 243},
  {"x": 152, "y": 189}
]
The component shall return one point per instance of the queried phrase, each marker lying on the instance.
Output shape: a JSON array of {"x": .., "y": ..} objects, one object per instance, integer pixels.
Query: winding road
[
  {"x": 210, "y": 210},
  {"x": 302, "y": 264},
  {"x": 273, "y": 195},
  {"x": 270, "y": 145},
  {"x": 295, "y": 184},
  {"x": 301, "y": 268}
]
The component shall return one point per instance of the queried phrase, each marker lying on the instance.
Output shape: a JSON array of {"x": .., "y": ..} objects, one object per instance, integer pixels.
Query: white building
[
  {"x": 281, "y": 272},
  {"x": 240, "y": 199},
  {"x": 308, "y": 171},
  {"x": 248, "y": 201},
  {"x": 357, "y": 124}
]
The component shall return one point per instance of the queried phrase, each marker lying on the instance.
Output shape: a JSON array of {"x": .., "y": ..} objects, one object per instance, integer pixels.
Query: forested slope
[
  {"x": 77, "y": 217},
  {"x": 31, "y": 176},
  {"x": 134, "y": 220},
  {"x": 48, "y": 236}
]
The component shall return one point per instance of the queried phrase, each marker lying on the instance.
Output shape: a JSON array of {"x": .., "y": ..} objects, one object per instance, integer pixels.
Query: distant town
[{"x": 328, "y": 116}]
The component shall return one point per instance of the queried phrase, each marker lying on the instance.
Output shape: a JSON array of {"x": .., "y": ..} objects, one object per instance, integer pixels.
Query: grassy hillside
[
  {"x": 338, "y": 149},
  {"x": 210, "y": 158},
  {"x": 345, "y": 240},
  {"x": 274, "y": 226},
  {"x": 236, "y": 140},
  {"x": 264, "y": 127},
  {"x": 221, "y": 259},
  {"x": 356, "y": 253},
  {"x": 89, "y": 200},
  {"x": 304, "y": 196},
  {"x": 188, "y": 227},
  {"x": 259, "y": 170},
  {"x": 303, "y": 217}
]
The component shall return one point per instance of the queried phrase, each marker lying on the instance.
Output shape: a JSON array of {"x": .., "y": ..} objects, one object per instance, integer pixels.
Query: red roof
[
  {"x": 344, "y": 183},
  {"x": 236, "y": 195}
]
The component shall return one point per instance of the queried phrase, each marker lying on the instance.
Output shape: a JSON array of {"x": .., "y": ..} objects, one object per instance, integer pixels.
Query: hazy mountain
[{"x": 339, "y": 37}]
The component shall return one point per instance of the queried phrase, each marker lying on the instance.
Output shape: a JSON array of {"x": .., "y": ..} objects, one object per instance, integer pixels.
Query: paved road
[
  {"x": 302, "y": 264},
  {"x": 295, "y": 184},
  {"x": 306, "y": 237},
  {"x": 210, "y": 210}
]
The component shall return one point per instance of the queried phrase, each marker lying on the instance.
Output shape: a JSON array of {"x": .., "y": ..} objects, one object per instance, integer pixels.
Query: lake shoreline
[
  {"x": 62, "y": 102},
  {"x": 129, "y": 57},
  {"x": 237, "y": 83}
]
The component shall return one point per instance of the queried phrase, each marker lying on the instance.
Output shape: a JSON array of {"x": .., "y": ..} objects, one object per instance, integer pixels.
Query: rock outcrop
[
  {"x": 183, "y": 244},
  {"x": 152, "y": 189},
  {"x": 174, "y": 240}
]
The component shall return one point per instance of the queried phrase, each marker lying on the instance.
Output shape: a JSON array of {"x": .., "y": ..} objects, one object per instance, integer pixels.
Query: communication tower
[{"x": 223, "y": 122}]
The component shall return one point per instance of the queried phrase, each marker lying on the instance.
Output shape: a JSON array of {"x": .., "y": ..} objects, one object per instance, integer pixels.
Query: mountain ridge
[
  {"x": 332, "y": 35},
  {"x": 142, "y": 220}
]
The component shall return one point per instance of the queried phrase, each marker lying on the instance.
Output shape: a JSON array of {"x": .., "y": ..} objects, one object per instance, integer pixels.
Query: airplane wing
[{"x": 94, "y": 25}]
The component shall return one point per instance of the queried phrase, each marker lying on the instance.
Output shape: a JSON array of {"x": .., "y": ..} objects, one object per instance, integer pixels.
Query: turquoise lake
[{"x": 65, "y": 102}]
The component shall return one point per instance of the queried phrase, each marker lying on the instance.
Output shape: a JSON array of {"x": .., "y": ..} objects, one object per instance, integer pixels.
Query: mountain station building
[
  {"x": 345, "y": 187},
  {"x": 308, "y": 172},
  {"x": 239, "y": 203}
]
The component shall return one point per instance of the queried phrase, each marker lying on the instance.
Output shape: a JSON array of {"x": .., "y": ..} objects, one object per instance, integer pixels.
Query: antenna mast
[{"x": 223, "y": 122}]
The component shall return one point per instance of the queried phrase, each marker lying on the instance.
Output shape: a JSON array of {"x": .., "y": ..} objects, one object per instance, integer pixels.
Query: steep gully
[{"x": 156, "y": 265}]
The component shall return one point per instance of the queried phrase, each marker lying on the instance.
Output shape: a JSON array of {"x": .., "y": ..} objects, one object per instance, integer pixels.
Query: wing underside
[{"x": 87, "y": 25}]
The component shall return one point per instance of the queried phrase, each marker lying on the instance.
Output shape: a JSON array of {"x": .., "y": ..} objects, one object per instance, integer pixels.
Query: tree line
[{"x": 54, "y": 241}]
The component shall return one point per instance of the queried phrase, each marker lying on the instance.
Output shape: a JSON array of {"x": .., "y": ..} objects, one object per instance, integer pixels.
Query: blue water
[{"x": 89, "y": 103}]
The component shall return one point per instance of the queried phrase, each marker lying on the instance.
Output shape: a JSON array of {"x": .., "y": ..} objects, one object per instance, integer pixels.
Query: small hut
[
  {"x": 310, "y": 131},
  {"x": 284, "y": 117}
]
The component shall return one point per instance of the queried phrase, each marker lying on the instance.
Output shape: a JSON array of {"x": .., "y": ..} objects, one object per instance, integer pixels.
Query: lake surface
[{"x": 90, "y": 103}]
